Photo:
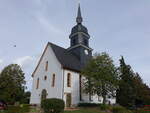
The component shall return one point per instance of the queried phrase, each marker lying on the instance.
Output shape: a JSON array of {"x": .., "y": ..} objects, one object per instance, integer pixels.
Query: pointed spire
[{"x": 79, "y": 17}]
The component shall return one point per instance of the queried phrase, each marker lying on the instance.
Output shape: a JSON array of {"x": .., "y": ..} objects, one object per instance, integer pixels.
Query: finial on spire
[{"x": 79, "y": 17}]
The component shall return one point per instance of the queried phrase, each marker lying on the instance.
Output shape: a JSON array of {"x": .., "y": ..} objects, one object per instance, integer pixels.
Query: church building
[{"x": 57, "y": 74}]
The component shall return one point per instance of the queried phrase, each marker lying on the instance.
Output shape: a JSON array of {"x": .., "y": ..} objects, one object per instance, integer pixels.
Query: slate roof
[
  {"x": 67, "y": 60},
  {"x": 79, "y": 28}
]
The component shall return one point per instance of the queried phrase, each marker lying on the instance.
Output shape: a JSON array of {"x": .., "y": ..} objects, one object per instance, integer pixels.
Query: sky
[{"x": 118, "y": 27}]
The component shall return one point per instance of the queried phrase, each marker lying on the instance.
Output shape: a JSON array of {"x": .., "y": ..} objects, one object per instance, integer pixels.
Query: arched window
[
  {"x": 73, "y": 42},
  {"x": 46, "y": 66},
  {"x": 45, "y": 77},
  {"x": 37, "y": 84},
  {"x": 85, "y": 42},
  {"x": 43, "y": 94},
  {"x": 53, "y": 80},
  {"x": 68, "y": 80}
]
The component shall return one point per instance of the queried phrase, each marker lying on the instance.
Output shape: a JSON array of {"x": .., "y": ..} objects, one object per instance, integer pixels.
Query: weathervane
[{"x": 79, "y": 16}]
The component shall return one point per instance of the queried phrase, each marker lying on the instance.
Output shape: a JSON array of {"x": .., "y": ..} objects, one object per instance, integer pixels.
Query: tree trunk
[
  {"x": 90, "y": 90},
  {"x": 104, "y": 99},
  {"x": 104, "y": 93}
]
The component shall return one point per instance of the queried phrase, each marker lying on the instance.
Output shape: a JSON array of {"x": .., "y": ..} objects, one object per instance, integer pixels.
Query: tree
[
  {"x": 126, "y": 92},
  {"x": 146, "y": 94},
  {"x": 101, "y": 76},
  {"x": 142, "y": 91},
  {"x": 26, "y": 98},
  {"x": 138, "y": 85},
  {"x": 12, "y": 83},
  {"x": 132, "y": 91}
]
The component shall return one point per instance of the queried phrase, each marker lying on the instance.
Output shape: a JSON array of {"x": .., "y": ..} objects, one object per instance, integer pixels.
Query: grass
[
  {"x": 33, "y": 110},
  {"x": 86, "y": 110},
  {"x": 28, "y": 109},
  {"x": 17, "y": 109}
]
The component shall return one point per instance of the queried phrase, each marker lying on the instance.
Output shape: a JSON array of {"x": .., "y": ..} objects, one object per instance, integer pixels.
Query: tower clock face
[{"x": 86, "y": 52}]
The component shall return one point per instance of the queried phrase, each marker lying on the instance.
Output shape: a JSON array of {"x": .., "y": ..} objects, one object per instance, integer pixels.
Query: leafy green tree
[
  {"x": 126, "y": 92},
  {"x": 101, "y": 76},
  {"x": 25, "y": 98},
  {"x": 132, "y": 90},
  {"x": 142, "y": 91},
  {"x": 138, "y": 85},
  {"x": 12, "y": 83},
  {"x": 146, "y": 94}
]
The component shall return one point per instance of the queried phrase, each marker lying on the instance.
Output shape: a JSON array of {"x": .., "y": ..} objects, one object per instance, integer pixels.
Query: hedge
[
  {"x": 88, "y": 105},
  {"x": 53, "y": 105}
]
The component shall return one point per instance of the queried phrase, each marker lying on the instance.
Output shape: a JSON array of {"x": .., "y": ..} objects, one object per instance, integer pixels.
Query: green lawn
[
  {"x": 28, "y": 109},
  {"x": 17, "y": 109},
  {"x": 86, "y": 110}
]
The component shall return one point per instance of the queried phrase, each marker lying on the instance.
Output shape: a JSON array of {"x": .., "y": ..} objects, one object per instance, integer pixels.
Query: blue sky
[{"x": 119, "y": 27}]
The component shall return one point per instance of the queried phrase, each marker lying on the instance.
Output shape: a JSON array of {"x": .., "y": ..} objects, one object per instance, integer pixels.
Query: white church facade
[{"x": 57, "y": 74}]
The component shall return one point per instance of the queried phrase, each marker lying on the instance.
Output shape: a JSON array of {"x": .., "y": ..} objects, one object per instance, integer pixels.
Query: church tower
[{"x": 79, "y": 41}]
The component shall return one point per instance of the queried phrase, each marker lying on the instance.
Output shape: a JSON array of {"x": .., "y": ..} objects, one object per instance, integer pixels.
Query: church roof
[
  {"x": 79, "y": 16},
  {"x": 79, "y": 28},
  {"x": 67, "y": 59}
]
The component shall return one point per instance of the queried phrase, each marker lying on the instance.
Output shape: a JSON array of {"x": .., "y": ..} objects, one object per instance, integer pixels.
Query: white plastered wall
[
  {"x": 54, "y": 67},
  {"x": 74, "y": 89}
]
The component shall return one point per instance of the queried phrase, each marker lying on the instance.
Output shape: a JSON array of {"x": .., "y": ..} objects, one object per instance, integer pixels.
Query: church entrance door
[
  {"x": 44, "y": 94},
  {"x": 68, "y": 100}
]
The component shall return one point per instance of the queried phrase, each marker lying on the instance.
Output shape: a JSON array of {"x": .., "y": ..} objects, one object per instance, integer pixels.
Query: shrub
[
  {"x": 145, "y": 109},
  {"x": 88, "y": 105},
  {"x": 105, "y": 107},
  {"x": 53, "y": 105},
  {"x": 120, "y": 109}
]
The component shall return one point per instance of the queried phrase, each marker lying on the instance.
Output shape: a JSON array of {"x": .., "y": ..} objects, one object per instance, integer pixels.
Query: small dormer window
[{"x": 46, "y": 66}]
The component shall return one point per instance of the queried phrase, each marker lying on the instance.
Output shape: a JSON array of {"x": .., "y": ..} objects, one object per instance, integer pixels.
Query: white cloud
[
  {"x": 1, "y": 64},
  {"x": 28, "y": 64},
  {"x": 1, "y": 61},
  {"x": 23, "y": 61}
]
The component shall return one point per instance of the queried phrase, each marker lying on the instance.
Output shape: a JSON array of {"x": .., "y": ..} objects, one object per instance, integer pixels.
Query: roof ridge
[{"x": 56, "y": 45}]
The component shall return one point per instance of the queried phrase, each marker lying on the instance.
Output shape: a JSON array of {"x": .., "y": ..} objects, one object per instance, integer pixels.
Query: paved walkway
[{"x": 71, "y": 109}]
